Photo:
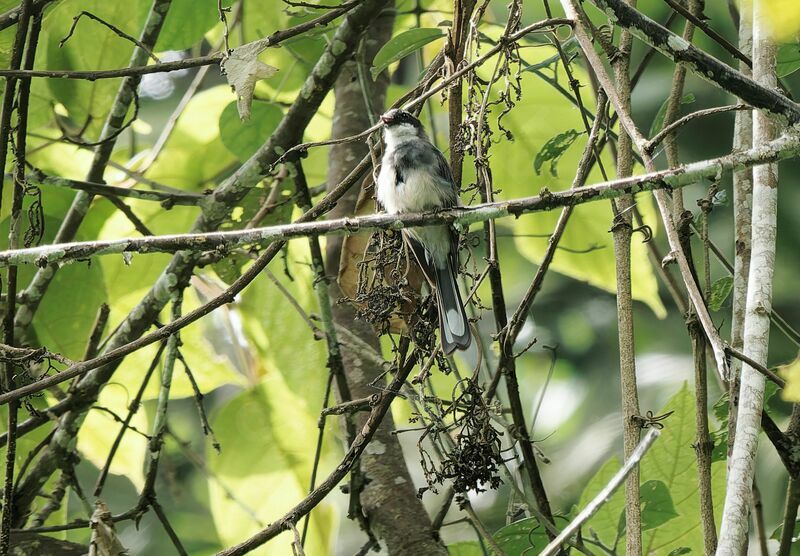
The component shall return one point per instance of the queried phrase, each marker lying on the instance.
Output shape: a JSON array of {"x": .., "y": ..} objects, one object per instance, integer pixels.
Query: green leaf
[
  {"x": 552, "y": 150},
  {"x": 658, "y": 121},
  {"x": 401, "y": 46},
  {"x": 537, "y": 117},
  {"x": 522, "y": 537},
  {"x": 267, "y": 435},
  {"x": 672, "y": 460},
  {"x": 669, "y": 487},
  {"x": 609, "y": 520},
  {"x": 187, "y": 21},
  {"x": 272, "y": 326},
  {"x": 788, "y": 59},
  {"x": 657, "y": 506},
  {"x": 243, "y": 138},
  {"x": 91, "y": 47},
  {"x": 465, "y": 549},
  {"x": 681, "y": 550},
  {"x": 99, "y": 430},
  {"x": 720, "y": 290}
]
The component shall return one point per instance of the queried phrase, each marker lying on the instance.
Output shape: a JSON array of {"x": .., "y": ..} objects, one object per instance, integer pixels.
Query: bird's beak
[{"x": 386, "y": 119}]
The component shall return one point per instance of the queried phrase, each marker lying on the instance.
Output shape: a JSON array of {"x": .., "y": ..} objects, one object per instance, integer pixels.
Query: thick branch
[{"x": 700, "y": 63}]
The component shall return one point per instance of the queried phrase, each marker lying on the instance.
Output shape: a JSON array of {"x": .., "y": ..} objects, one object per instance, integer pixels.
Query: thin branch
[
  {"x": 703, "y": 26},
  {"x": 8, "y": 379},
  {"x": 116, "y": 30},
  {"x": 781, "y": 148},
  {"x": 757, "y": 366},
  {"x": 603, "y": 496},
  {"x": 672, "y": 127},
  {"x": 166, "y": 199}
]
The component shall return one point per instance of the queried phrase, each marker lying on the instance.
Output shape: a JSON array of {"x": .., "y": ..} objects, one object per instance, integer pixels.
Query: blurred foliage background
[{"x": 263, "y": 377}]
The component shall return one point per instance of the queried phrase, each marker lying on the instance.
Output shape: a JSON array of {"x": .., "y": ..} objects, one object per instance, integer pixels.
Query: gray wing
[{"x": 444, "y": 173}]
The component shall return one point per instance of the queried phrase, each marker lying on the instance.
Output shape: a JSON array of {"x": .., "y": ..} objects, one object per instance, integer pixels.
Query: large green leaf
[
  {"x": 607, "y": 524},
  {"x": 99, "y": 430},
  {"x": 128, "y": 282},
  {"x": 274, "y": 327},
  {"x": 402, "y": 45},
  {"x": 669, "y": 487},
  {"x": 672, "y": 460},
  {"x": 541, "y": 114},
  {"x": 92, "y": 46},
  {"x": 267, "y": 436}
]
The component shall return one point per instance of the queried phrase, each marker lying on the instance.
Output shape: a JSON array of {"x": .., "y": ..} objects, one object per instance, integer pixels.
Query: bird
[{"x": 415, "y": 177}]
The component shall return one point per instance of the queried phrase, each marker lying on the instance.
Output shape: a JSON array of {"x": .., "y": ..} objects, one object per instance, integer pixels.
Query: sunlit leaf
[
  {"x": 92, "y": 46},
  {"x": 791, "y": 372},
  {"x": 401, "y": 46},
  {"x": 588, "y": 253},
  {"x": 267, "y": 435},
  {"x": 194, "y": 156},
  {"x": 99, "y": 430},
  {"x": 783, "y": 17},
  {"x": 272, "y": 325}
]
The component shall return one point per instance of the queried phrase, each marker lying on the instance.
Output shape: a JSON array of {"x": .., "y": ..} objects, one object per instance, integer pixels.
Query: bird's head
[{"x": 401, "y": 125}]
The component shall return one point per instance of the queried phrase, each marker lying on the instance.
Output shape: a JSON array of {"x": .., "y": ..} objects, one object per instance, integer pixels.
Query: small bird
[{"x": 415, "y": 177}]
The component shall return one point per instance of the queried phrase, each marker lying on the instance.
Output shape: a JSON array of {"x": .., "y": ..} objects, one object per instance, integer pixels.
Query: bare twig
[
  {"x": 119, "y": 32},
  {"x": 603, "y": 496}
]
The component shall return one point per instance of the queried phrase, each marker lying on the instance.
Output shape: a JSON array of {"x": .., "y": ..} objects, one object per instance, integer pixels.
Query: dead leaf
[
  {"x": 104, "y": 541},
  {"x": 353, "y": 250},
  {"x": 243, "y": 69}
]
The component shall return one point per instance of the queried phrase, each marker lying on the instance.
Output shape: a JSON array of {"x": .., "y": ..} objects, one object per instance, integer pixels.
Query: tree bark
[
  {"x": 733, "y": 532},
  {"x": 388, "y": 497}
]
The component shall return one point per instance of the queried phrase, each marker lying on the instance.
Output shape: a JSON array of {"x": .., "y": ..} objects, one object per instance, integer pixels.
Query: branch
[
  {"x": 738, "y": 494},
  {"x": 703, "y": 65},
  {"x": 603, "y": 496},
  {"x": 778, "y": 149},
  {"x": 211, "y": 59},
  {"x": 672, "y": 127},
  {"x": 167, "y": 199}
]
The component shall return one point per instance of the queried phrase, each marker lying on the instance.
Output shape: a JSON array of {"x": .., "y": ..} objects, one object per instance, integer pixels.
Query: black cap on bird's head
[{"x": 397, "y": 116}]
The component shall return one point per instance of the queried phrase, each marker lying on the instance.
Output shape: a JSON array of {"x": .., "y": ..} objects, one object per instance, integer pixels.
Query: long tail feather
[{"x": 453, "y": 323}]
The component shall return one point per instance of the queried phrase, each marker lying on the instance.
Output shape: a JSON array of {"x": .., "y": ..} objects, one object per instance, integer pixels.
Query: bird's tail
[{"x": 453, "y": 323}]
